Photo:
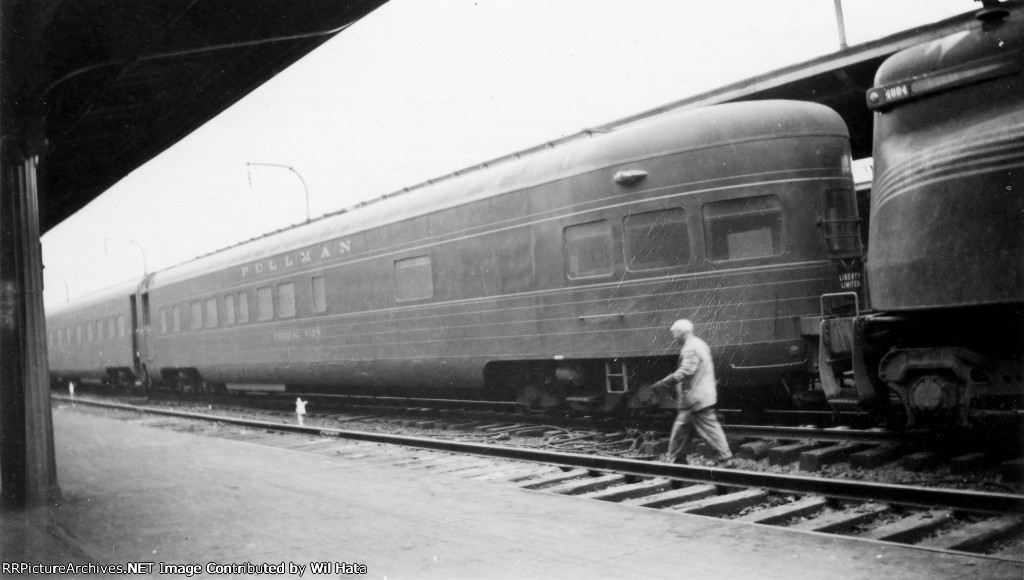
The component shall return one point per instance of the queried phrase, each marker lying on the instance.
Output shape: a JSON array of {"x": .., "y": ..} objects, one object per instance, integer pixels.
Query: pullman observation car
[
  {"x": 549, "y": 278},
  {"x": 945, "y": 270}
]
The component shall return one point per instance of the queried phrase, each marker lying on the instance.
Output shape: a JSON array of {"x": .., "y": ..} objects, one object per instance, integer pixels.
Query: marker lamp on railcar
[{"x": 972, "y": 72}]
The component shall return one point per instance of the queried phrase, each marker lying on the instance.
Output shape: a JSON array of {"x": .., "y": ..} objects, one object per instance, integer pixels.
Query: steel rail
[
  {"x": 763, "y": 431},
  {"x": 835, "y": 435},
  {"x": 409, "y": 401},
  {"x": 975, "y": 501},
  {"x": 826, "y": 434}
]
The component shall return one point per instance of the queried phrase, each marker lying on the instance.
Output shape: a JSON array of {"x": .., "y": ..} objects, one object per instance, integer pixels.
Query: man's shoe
[{"x": 681, "y": 460}]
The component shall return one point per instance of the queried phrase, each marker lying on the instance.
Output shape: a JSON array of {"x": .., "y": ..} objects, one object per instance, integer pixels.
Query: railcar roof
[
  {"x": 1003, "y": 38},
  {"x": 119, "y": 291},
  {"x": 692, "y": 129}
]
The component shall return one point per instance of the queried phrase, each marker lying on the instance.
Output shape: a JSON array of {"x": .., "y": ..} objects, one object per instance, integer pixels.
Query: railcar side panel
[
  {"x": 537, "y": 274},
  {"x": 946, "y": 263},
  {"x": 94, "y": 340}
]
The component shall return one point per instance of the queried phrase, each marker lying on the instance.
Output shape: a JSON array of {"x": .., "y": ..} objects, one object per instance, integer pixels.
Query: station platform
[{"x": 134, "y": 493}]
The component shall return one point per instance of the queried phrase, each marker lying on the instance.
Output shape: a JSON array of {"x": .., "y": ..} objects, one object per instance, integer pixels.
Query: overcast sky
[{"x": 421, "y": 88}]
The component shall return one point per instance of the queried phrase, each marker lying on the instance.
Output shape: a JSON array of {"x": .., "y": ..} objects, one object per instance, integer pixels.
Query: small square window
[
  {"x": 319, "y": 294},
  {"x": 737, "y": 229},
  {"x": 414, "y": 278},
  {"x": 211, "y": 312},
  {"x": 264, "y": 303},
  {"x": 197, "y": 315},
  {"x": 588, "y": 249},
  {"x": 243, "y": 307},
  {"x": 229, "y": 309},
  {"x": 286, "y": 300},
  {"x": 656, "y": 239}
]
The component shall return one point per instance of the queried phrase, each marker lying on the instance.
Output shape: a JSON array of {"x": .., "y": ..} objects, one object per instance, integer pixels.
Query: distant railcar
[
  {"x": 93, "y": 339},
  {"x": 551, "y": 278},
  {"x": 945, "y": 329}
]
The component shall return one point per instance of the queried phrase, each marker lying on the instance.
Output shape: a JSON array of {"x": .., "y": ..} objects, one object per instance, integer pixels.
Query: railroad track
[
  {"x": 931, "y": 517},
  {"x": 841, "y": 450}
]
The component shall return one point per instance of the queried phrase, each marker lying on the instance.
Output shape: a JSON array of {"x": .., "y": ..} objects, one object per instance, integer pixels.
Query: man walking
[{"x": 696, "y": 395}]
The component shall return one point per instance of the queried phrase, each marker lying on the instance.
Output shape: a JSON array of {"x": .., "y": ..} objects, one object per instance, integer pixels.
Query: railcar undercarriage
[{"x": 945, "y": 368}]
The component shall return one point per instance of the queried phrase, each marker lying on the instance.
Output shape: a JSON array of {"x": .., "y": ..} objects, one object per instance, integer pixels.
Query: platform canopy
[
  {"x": 113, "y": 84},
  {"x": 117, "y": 83},
  {"x": 838, "y": 80}
]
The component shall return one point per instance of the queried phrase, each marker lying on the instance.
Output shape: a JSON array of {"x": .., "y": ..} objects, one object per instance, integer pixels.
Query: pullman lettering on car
[{"x": 303, "y": 257}]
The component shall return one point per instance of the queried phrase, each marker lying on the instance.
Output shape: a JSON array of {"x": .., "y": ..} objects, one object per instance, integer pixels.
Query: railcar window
[
  {"x": 736, "y": 229},
  {"x": 264, "y": 303},
  {"x": 197, "y": 315},
  {"x": 243, "y": 307},
  {"x": 588, "y": 249},
  {"x": 229, "y": 309},
  {"x": 414, "y": 278},
  {"x": 99, "y": 330},
  {"x": 176, "y": 315},
  {"x": 68, "y": 335},
  {"x": 841, "y": 223},
  {"x": 78, "y": 333},
  {"x": 163, "y": 321},
  {"x": 59, "y": 339},
  {"x": 656, "y": 239},
  {"x": 319, "y": 294},
  {"x": 89, "y": 331},
  {"x": 211, "y": 312},
  {"x": 120, "y": 326},
  {"x": 286, "y": 300}
]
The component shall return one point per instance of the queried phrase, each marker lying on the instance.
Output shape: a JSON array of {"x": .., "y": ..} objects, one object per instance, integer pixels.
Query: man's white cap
[{"x": 681, "y": 327}]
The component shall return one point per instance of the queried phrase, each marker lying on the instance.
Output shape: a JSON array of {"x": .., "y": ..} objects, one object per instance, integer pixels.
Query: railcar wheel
[
  {"x": 124, "y": 381},
  {"x": 145, "y": 382},
  {"x": 537, "y": 396}
]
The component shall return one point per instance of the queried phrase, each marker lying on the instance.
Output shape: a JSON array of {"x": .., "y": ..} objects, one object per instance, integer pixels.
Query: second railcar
[
  {"x": 94, "y": 339},
  {"x": 946, "y": 265},
  {"x": 553, "y": 276}
]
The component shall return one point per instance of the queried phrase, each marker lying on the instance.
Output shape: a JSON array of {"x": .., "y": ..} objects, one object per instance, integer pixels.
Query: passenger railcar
[
  {"x": 945, "y": 332},
  {"x": 550, "y": 278},
  {"x": 93, "y": 339}
]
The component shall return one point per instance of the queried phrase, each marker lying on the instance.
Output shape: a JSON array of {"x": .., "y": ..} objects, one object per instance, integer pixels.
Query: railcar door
[
  {"x": 136, "y": 352},
  {"x": 141, "y": 326},
  {"x": 143, "y": 331}
]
